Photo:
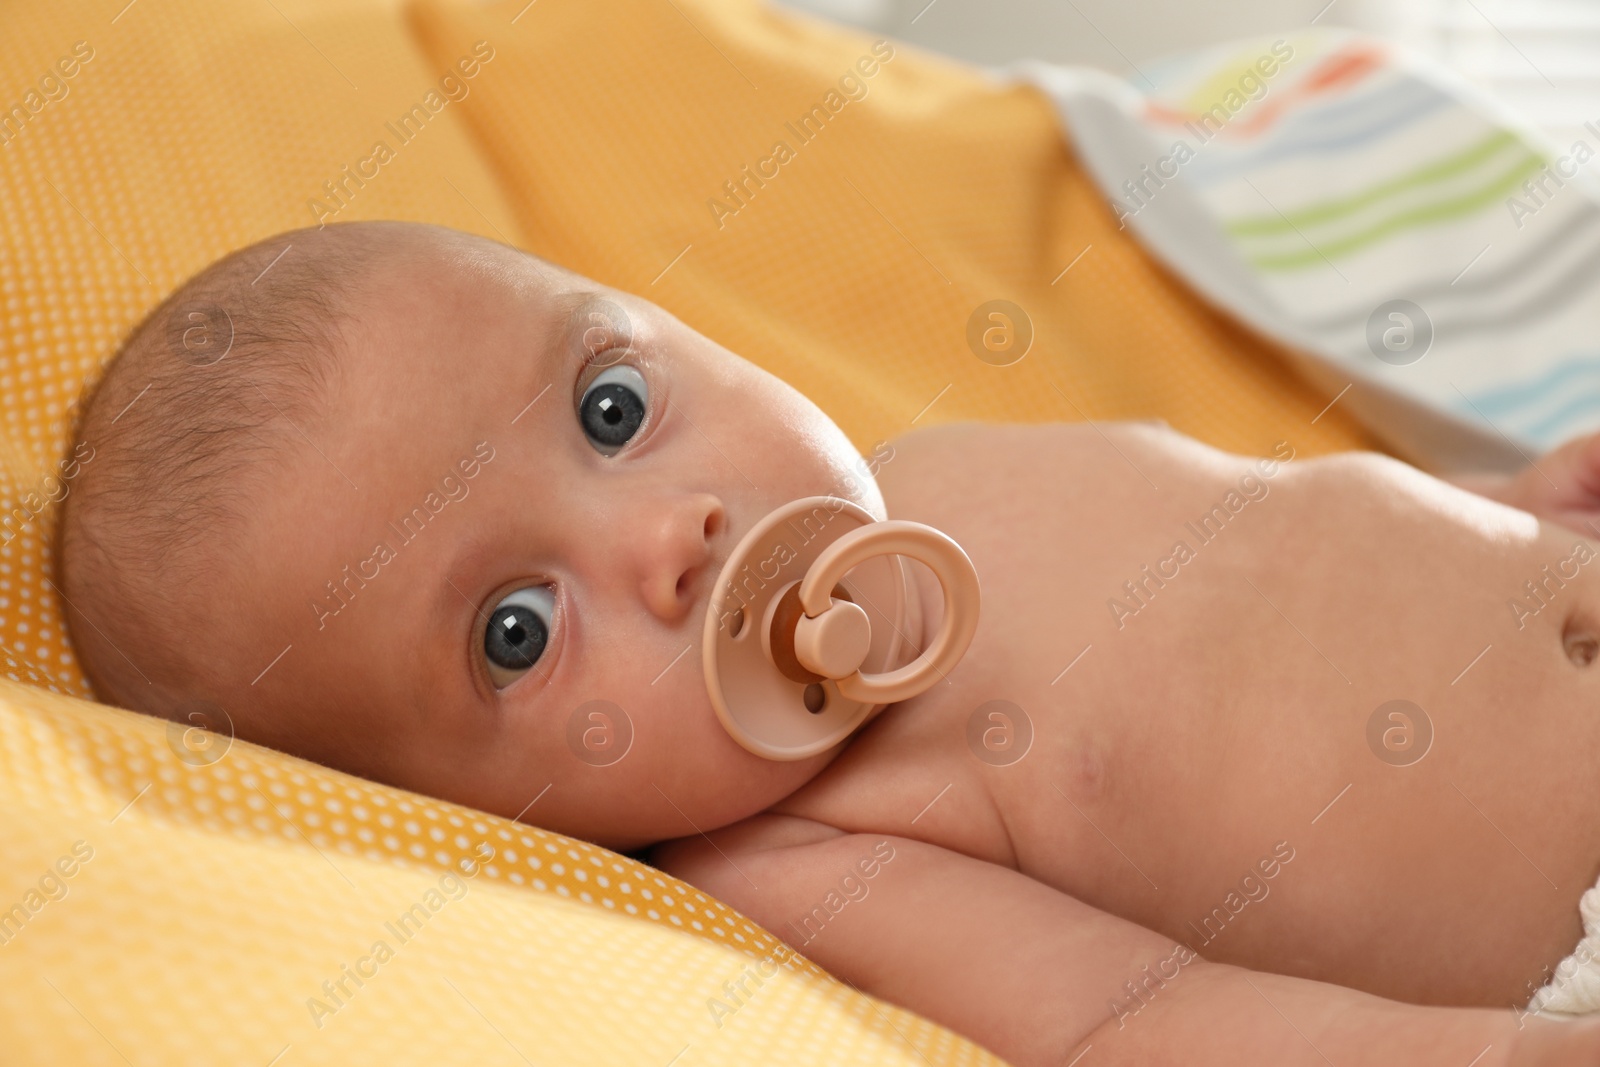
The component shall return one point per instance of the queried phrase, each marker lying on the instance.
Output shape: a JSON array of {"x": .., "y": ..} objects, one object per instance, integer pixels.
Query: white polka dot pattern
[{"x": 218, "y": 898}]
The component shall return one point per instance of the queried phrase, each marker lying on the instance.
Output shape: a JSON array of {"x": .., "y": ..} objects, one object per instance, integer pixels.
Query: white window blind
[{"x": 1542, "y": 57}]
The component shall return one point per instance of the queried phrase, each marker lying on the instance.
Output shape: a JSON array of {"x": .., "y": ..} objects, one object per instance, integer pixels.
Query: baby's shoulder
[
  {"x": 979, "y": 441},
  {"x": 980, "y": 460}
]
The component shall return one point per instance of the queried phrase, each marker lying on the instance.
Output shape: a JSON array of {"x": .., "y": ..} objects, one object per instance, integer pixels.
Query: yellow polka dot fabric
[
  {"x": 842, "y": 212},
  {"x": 175, "y": 900}
]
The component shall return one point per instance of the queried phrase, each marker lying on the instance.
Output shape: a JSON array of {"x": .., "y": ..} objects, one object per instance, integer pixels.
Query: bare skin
[
  {"x": 1228, "y": 719},
  {"x": 1218, "y": 732},
  {"x": 1229, "y": 716},
  {"x": 1230, "y": 711}
]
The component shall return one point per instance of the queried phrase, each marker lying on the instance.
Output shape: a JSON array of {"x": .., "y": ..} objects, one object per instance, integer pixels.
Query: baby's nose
[{"x": 674, "y": 553}]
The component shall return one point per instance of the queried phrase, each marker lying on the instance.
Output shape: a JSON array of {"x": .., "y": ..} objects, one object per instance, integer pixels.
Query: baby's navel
[{"x": 1579, "y": 639}]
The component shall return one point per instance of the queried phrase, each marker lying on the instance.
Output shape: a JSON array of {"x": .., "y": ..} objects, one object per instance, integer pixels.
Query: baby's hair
[{"x": 187, "y": 416}]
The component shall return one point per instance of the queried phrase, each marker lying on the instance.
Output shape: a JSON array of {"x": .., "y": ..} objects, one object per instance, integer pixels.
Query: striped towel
[{"x": 1414, "y": 240}]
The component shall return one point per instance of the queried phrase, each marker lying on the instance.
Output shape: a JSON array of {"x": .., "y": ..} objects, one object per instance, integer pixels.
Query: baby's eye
[
  {"x": 519, "y": 627},
  {"x": 613, "y": 407}
]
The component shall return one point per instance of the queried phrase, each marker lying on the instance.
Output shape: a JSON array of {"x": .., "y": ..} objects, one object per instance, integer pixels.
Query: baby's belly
[
  {"x": 1335, "y": 688},
  {"x": 1343, "y": 729}
]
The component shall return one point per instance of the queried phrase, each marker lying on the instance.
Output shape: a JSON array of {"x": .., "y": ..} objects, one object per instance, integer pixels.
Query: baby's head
[{"x": 403, "y": 501}]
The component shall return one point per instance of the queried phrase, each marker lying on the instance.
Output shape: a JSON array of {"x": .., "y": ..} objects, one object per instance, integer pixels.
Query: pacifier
[{"x": 809, "y": 613}]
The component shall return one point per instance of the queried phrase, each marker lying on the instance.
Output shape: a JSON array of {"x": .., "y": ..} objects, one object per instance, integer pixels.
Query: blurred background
[{"x": 1541, "y": 56}]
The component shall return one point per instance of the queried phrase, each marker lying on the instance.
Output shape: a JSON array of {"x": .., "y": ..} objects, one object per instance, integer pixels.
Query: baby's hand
[{"x": 1562, "y": 486}]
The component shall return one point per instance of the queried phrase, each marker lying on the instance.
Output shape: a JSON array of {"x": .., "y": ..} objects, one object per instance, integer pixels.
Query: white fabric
[
  {"x": 1359, "y": 176},
  {"x": 1574, "y": 986}
]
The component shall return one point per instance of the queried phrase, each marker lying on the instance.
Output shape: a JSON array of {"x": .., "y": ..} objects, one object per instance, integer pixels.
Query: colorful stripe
[
  {"x": 1425, "y": 215},
  {"x": 1340, "y": 70},
  {"x": 1428, "y": 174},
  {"x": 1332, "y": 130}
]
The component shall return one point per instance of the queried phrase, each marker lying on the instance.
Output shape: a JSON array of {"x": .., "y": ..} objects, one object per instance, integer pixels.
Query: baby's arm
[{"x": 1032, "y": 974}]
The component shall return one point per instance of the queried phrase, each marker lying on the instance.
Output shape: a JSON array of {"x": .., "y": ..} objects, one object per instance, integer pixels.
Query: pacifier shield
[{"x": 757, "y": 685}]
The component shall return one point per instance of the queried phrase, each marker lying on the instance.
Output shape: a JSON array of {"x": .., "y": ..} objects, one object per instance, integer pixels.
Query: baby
[{"x": 1251, "y": 760}]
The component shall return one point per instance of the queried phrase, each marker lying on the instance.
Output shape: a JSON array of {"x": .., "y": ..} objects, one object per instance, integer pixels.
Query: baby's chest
[
  {"x": 1047, "y": 721},
  {"x": 945, "y": 766}
]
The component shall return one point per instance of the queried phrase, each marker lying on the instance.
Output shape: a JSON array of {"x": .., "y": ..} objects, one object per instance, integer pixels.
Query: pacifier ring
[{"x": 957, "y": 577}]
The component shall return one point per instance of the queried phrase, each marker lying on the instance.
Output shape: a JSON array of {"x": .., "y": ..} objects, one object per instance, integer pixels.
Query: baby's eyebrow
[
  {"x": 597, "y": 323},
  {"x": 556, "y": 345},
  {"x": 453, "y": 603},
  {"x": 448, "y": 615}
]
